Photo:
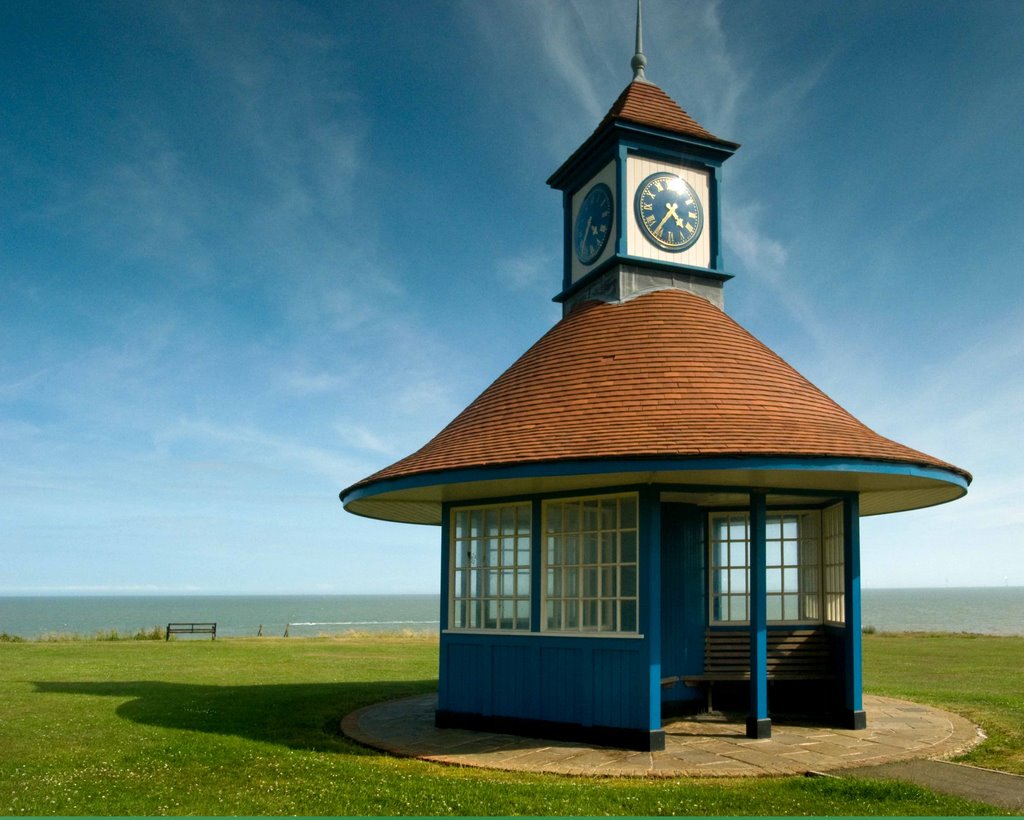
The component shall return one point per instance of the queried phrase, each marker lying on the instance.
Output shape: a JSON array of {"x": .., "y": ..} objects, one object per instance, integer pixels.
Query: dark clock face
[
  {"x": 668, "y": 212},
  {"x": 593, "y": 224}
]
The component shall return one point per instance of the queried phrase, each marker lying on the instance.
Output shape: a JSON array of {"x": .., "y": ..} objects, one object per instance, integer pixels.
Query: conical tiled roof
[
  {"x": 664, "y": 375},
  {"x": 644, "y": 104}
]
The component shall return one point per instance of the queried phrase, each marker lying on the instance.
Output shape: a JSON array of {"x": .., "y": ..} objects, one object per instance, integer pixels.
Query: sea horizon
[{"x": 993, "y": 610}]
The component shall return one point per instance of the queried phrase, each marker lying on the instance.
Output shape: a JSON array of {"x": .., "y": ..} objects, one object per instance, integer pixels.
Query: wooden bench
[
  {"x": 192, "y": 629},
  {"x": 799, "y": 654}
]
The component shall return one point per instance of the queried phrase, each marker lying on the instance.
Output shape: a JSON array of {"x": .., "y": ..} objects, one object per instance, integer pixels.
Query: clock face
[
  {"x": 593, "y": 224},
  {"x": 668, "y": 212}
]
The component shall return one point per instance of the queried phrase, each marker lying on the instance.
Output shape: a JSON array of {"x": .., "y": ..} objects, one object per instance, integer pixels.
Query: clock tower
[{"x": 641, "y": 200}]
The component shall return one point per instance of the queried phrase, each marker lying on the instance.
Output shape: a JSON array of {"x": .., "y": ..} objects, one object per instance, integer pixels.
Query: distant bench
[
  {"x": 191, "y": 629},
  {"x": 800, "y": 654}
]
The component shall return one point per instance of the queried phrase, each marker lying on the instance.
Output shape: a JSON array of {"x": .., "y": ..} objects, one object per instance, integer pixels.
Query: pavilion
[{"x": 650, "y": 508}]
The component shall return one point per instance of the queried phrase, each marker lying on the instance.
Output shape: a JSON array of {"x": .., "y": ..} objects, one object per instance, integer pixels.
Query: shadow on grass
[{"x": 299, "y": 716}]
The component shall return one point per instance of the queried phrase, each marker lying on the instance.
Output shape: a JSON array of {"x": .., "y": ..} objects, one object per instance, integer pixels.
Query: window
[
  {"x": 792, "y": 558},
  {"x": 590, "y": 568},
  {"x": 832, "y": 560},
  {"x": 490, "y": 568}
]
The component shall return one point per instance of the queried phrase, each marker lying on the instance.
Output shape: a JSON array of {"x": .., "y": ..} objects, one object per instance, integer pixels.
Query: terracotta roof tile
[
  {"x": 665, "y": 375},
  {"x": 646, "y": 104}
]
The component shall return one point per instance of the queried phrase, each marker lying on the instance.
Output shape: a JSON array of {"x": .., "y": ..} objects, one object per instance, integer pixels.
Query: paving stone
[{"x": 709, "y": 746}]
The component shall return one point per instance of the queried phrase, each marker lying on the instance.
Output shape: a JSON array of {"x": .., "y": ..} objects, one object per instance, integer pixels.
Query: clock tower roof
[{"x": 644, "y": 106}]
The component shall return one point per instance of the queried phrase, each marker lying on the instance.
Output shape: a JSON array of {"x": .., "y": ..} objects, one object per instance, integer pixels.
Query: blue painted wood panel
[
  {"x": 588, "y": 681},
  {"x": 684, "y": 604}
]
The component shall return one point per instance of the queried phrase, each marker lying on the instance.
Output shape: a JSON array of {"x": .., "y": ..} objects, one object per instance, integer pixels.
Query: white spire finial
[{"x": 639, "y": 62}]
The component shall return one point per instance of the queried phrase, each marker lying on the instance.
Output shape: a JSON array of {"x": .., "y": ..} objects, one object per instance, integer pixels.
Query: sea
[{"x": 984, "y": 610}]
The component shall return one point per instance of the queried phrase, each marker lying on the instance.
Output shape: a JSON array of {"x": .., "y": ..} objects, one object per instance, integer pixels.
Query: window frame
[
  {"x": 801, "y": 570},
  {"x": 485, "y": 571},
  {"x": 598, "y": 569}
]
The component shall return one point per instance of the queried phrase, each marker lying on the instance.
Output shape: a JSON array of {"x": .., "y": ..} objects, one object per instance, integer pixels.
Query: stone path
[
  {"x": 988, "y": 786},
  {"x": 712, "y": 745}
]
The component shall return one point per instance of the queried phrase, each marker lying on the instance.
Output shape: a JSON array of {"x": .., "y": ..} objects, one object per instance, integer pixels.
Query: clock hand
[
  {"x": 671, "y": 211},
  {"x": 586, "y": 230}
]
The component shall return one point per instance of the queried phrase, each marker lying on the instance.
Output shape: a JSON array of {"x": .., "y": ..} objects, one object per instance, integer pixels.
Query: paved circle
[{"x": 712, "y": 745}]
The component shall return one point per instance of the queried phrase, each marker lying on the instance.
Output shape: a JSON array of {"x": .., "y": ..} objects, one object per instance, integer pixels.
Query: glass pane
[
  {"x": 789, "y": 553},
  {"x": 789, "y": 527},
  {"x": 571, "y": 517},
  {"x": 590, "y": 582},
  {"x": 773, "y": 527},
  {"x": 508, "y": 520},
  {"x": 572, "y": 582},
  {"x": 737, "y": 528},
  {"x": 460, "y": 555},
  {"x": 720, "y": 554},
  {"x": 738, "y": 554},
  {"x": 459, "y": 615},
  {"x": 810, "y": 608},
  {"x": 461, "y": 522},
  {"x": 554, "y": 518},
  {"x": 508, "y": 579},
  {"x": 491, "y": 522},
  {"x": 460, "y": 584},
  {"x": 720, "y": 529},
  {"x": 737, "y": 607},
  {"x": 774, "y": 607},
  {"x": 554, "y": 614},
  {"x": 474, "y": 614},
  {"x": 523, "y": 583},
  {"x": 627, "y": 512},
  {"x": 720, "y": 581},
  {"x": 571, "y": 548},
  {"x": 627, "y": 547},
  {"x": 609, "y": 587},
  {"x": 789, "y": 579},
  {"x": 474, "y": 583},
  {"x": 524, "y": 512},
  {"x": 491, "y": 615},
  {"x": 591, "y": 515},
  {"x": 476, "y": 523},
  {"x": 590, "y": 548},
  {"x": 809, "y": 579},
  {"x": 508, "y": 612},
  {"x": 608, "y": 551},
  {"x": 572, "y": 614},
  {"x": 791, "y": 607},
  {"x": 493, "y": 553},
  {"x": 609, "y": 621},
  {"x": 493, "y": 580},
  {"x": 627, "y": 581},
  {"x": 609, "y": 514},
  {"x": 589, "y": 614},
  {"x": 773, "y": 580},
  {"x": 554, "y": 549},
  {"x": 522, "y": 614},
  {"x": 508, "y": 552},
  {"x": 523, "y": 553},
  {"x": 476, "y": 558},
  {"x": 719, "y": 609},
  {"x": 737, "y": 580},
  {"x": 554, "y": 582},
  {"x": 627, "y": 611}
]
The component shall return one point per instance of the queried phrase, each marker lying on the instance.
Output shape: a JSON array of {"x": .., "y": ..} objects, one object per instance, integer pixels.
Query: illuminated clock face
[
  {"x": 668, "y": 212},
  {"x": 593, "y": 224}
]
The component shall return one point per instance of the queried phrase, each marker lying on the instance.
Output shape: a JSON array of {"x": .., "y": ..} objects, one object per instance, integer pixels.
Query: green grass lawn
[{"x": 250, "y": 726}]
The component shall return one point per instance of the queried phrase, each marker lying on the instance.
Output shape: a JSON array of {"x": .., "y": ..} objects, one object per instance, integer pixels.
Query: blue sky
[{"x": 252, "y": 252}]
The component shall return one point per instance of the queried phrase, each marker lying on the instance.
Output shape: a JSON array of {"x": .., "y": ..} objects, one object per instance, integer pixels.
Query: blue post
[
  {"x": 853, "y": 708},
  {"x": 650, "y": 608},
  {"x": 759, "y": 725},
  {"x": 442, "y": 678}
]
